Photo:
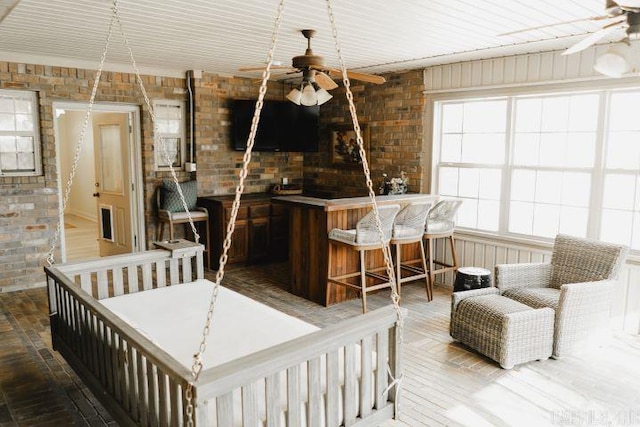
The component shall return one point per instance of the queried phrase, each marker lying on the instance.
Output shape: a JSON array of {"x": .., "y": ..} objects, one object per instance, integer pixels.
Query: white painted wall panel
[{"x": 525, "y": 69}]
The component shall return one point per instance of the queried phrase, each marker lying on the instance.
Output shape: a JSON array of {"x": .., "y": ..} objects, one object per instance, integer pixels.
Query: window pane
[
  {"x": 526, "y": 148},
  {"x": 485, "y": 116},
  {"x": 528, "y": 115},
  {"x": 25, "y": 144},
  {"x": 26, "y": 161},
  {"x": 616, "y": 226},
  {"x": 7, "y": 122},
  {"x": 23, "y": 106},
  {"x": 523, "y": 185},
  {"x": 6, "y": 104},
  {"x": 623, "y": 150},
  {"x": 548, "y": 187},
  {"x": 448, "y": 182},
  {"x": 468, "y": 213},
  {"x": 573, "y": 221},
  {"x": 8, "y": 162},
  {"x": 624, "y": 111},
  {"x": 619, "y": 192},
  {"x": 468, "y": 183},
  {"x": 483, "y": 148},
  {"x": 7, "y": 144},
  {"x": 451, "y": 148},
  {"x": 546, "y": 219},
  {"x": 635, "y": 238},
  {"x": 581, "y": 149},
  {"x": 521, "y": 217},
  {"x": 583, "y": 113},
  {"x": 553, "y": 147},
  {"x": 490, "y": 184},
  {"x": 555, "y": 114},
  {"x": 576, "y": 189},
  {"x": 452, "y": 118},
  {"x": 488, "y": 215}
]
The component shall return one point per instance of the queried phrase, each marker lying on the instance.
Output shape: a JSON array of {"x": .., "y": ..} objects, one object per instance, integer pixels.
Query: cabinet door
[
  {"x": 239, "y": 243},
  {"x": 279, "y": 237},
  {"x": 258, "y": 239}
]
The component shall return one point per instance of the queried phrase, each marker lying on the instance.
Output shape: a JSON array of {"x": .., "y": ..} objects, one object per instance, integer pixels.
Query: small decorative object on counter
[{"x": 397, "y": 185}]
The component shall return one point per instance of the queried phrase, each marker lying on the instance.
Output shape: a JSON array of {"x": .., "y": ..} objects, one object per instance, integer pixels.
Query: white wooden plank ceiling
[{"x": 377, "y": 36}]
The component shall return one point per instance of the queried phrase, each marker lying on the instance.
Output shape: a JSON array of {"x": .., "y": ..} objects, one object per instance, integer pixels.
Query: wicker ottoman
[{"x": 505, "y": 330}]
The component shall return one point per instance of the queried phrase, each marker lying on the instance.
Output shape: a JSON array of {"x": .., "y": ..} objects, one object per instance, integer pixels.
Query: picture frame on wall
[{"x": 344, "y": 146}]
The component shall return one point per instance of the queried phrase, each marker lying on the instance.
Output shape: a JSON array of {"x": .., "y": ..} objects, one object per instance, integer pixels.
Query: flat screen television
[{"x": 283, "y": 126}]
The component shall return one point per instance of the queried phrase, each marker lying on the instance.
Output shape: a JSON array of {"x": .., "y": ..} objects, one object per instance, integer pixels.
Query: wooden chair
[
  {"x": 171, "y": 217},
  {"x": 408, "y": 228},
  {"x": 365, "y": 237},
  {"x": 440, "y": 224}
]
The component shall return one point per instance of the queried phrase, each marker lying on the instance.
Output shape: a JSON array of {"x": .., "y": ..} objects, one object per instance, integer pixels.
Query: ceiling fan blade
[
  {"x": 262, "y": 68},
  {"x": 593, "y": 38},
  {"x": 325, "y": 82},
  {"x": 539, "y": 27},
  {"x": 364, "y": 77}
]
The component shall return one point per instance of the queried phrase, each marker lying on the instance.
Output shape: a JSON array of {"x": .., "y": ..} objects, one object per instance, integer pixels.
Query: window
[
  {"x": 19, "y": 134},
  {"x": 171, "y": 131},
  {"x": 538, "y": 165}
]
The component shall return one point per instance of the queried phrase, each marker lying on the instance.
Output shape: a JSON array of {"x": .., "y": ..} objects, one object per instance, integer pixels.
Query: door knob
[{"x": 96, "y": 194}]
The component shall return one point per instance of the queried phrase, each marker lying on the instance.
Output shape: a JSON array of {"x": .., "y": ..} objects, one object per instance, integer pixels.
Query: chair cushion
[
  {"x": 405, "y": 232},
  {"x": 171, "y": 198},
  {"x": 182, "y": 216},
  {"x": 535, "y": 297}
]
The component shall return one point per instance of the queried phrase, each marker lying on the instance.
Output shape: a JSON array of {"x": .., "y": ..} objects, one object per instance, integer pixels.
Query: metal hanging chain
[
  {"x": 79, "y": 145},
  {"x": 386, "y": 251},
  {"x": 156, "y": 133},
  {"x": 196, "y": 368}
]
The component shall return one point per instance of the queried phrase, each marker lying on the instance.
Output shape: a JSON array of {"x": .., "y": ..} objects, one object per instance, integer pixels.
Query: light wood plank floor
[
  {"x": 445, "y": 383},
  {"x": 81, "y": 238}
]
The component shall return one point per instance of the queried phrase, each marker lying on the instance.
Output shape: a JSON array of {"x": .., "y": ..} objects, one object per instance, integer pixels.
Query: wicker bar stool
[
  {"x": 440, "y": 224},
  {"x": 408, "y": 228},
  {"x": 364, "y": 238}
]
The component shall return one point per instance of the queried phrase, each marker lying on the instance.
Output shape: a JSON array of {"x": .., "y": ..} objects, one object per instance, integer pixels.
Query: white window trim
[
  {"x": 182, "y": 135},
  {"x": 37, "y": 153}
]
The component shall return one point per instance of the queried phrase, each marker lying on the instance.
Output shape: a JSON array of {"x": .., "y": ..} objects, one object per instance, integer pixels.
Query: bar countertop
[{"x": 329, "y": 205}]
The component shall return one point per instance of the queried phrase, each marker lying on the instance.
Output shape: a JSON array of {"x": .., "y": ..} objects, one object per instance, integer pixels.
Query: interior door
[{"x": 113, "y": 182}]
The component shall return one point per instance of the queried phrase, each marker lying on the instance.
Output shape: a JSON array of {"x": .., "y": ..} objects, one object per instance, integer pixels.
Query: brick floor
[{"x": 445, "y": 383}]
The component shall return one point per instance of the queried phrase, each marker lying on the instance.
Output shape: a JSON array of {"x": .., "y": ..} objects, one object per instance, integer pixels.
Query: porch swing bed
[{"x": 125, "y": 324}]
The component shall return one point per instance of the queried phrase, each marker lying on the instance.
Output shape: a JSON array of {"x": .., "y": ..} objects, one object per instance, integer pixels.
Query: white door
[{"x": 112, "y": 139}]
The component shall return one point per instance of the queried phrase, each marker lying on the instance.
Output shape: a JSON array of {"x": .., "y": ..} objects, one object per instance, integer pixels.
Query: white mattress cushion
[{"x": 173, "y": 318}]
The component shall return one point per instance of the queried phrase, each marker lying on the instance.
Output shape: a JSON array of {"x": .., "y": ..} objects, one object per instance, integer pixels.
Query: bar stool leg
[
  {"x": 424, "y": 267},
  {"x": 432, "y": 275},
  {"x": 363, "y": 280},
  {"x": 454, "y": 256},
  {"x": 398, "y": 267}
]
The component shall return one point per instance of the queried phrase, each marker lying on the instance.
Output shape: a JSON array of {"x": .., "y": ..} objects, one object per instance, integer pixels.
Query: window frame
[
  {"x": 605, "y": 90},
  {"x": 32, "y": 97},
  {"x": 182, "y": 134}
]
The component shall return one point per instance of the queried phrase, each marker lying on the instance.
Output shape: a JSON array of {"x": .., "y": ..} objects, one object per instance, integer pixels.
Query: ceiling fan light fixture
[
  {"x": 323, "y": 96},
  {"x": 614, "y": 62},
  {"x": 309, "y": 96},
  {"x": 294, "y": 96}
]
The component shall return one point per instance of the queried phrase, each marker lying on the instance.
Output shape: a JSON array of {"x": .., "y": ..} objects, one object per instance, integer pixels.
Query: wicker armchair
[{"x": 577, "y": 284}]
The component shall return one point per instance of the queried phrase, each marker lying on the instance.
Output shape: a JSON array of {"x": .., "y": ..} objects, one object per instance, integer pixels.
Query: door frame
[{"x": 135, "y": 168}]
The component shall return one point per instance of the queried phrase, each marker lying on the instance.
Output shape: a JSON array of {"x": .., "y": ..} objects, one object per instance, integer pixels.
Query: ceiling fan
[
  {"x": 316, "y": 76},
  {"x": 623, "y": 15}
]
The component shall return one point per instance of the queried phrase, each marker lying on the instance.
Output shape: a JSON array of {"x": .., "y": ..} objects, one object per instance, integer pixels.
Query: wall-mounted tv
[{"x": 283, "y": 126}]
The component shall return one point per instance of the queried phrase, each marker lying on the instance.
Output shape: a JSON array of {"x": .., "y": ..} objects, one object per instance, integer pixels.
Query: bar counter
[{"x": 310, "y": 220}]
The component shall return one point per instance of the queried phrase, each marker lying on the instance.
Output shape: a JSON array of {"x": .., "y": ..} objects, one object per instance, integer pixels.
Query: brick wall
[
  {"x": 29, "y": 205},
  {"x": 394, "y": 115}
]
